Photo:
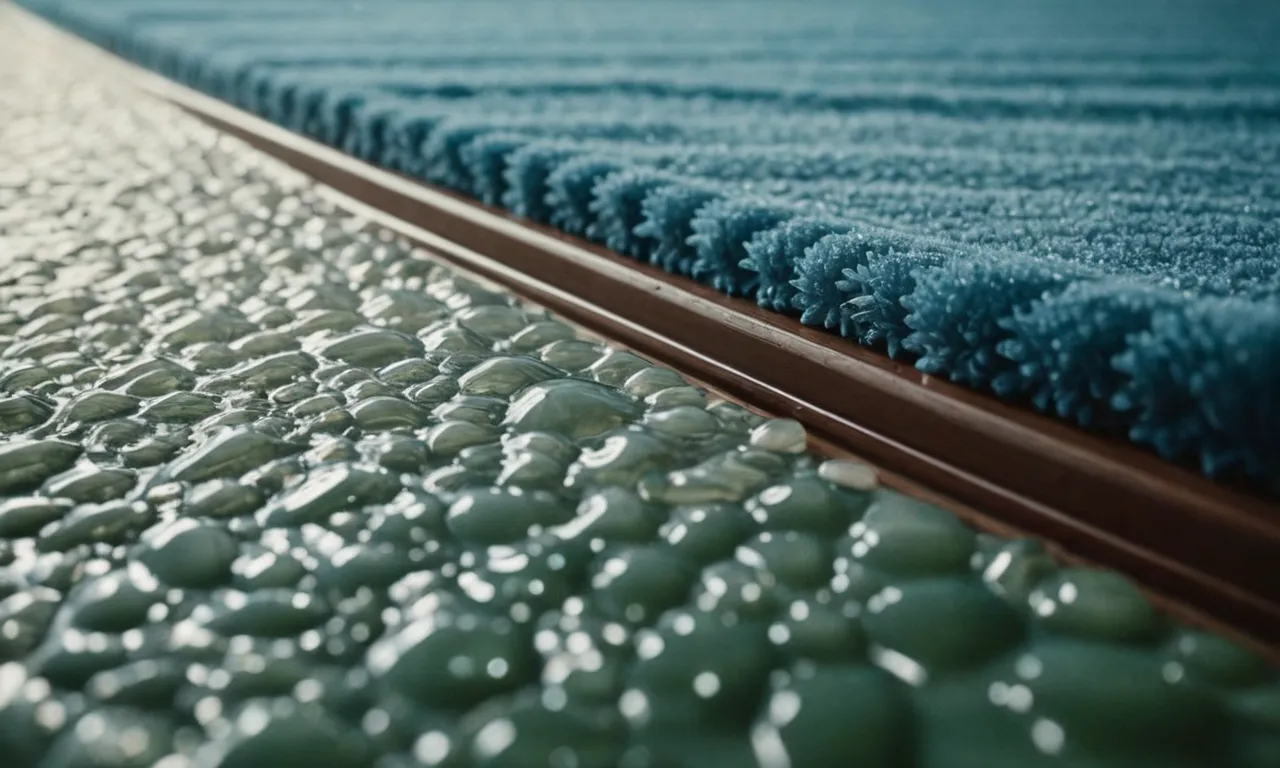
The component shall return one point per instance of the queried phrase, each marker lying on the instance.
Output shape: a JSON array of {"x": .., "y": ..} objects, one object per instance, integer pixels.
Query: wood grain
[{"x": 1211, "y": 547}]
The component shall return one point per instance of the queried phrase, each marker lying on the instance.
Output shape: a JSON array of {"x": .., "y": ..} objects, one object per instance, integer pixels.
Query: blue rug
[{"x": 1069, "y": 204}]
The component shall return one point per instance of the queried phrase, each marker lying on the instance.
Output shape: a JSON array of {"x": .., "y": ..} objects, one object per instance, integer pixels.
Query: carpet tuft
[{"x": 1070, "y": 204}]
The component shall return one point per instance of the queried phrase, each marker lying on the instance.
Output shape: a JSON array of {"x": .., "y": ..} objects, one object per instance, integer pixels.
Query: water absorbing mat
[{"x": 1069, "y": 204}]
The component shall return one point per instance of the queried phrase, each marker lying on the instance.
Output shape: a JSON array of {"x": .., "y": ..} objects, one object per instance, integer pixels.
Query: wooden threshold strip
[
  {"x": 1111, "y": 503},
  {"x": 1208, "y": 546},
  {"x": 667, "y": 353}
]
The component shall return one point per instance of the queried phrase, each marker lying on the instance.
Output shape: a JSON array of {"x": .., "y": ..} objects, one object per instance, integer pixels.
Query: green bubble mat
[{"x": 277, "y": 489}]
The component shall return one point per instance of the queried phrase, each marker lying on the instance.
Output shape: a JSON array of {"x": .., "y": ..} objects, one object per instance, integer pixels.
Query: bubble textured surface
[{"x": 278, "y": 489}]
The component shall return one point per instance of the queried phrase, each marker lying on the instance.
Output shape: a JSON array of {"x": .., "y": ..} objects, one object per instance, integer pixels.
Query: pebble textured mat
[
  {"x": 1072, "y": 205},
  {"x": 275, "y": 490}
]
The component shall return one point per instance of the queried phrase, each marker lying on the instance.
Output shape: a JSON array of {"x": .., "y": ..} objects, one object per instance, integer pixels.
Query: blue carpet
[{"x": 1069, "y": 204}]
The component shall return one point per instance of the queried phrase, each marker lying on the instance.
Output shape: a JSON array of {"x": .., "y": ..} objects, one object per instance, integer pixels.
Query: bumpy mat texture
[
  {"x": 1070, "y": 204},
  {"x": 277, "y": 491}
]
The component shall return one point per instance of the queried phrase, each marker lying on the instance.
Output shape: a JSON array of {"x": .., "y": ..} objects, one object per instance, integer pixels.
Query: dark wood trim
[
  {"x": 1109, "y": 502},
  {"x": 1179, "y": 534}
]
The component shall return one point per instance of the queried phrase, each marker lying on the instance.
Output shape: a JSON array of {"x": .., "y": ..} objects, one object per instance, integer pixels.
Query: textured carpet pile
[{"x": 1069, "y": 204}]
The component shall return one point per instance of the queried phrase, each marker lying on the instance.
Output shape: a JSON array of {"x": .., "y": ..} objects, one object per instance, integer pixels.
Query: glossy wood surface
[{"x": 1208, "y": 546}]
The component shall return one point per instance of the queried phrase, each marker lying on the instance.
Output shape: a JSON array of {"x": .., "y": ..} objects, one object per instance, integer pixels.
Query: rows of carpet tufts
[{"x": 1072, "y": 205}]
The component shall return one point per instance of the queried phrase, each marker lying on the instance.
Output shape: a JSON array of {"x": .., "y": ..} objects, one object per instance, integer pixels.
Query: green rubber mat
[{"x": 276, "y": 490}]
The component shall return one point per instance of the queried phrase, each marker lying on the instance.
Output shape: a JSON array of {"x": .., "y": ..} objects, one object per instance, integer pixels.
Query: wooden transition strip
[
  {"x": 1208, "y": 546},
  {"x": 665, "y": 352},
  {"x": 1109, "y": 502}
]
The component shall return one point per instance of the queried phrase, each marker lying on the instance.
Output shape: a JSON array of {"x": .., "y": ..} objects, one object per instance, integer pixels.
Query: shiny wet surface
[{"x": 276, "y": 489}]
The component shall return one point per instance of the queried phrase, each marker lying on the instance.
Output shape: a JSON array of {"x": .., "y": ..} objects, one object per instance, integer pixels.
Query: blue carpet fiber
[{"x": 1070, "y": 204}]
